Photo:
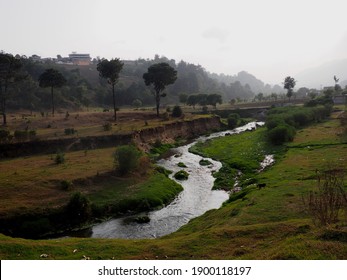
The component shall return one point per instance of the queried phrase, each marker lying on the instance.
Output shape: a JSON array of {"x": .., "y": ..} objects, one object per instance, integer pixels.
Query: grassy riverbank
[
  {"x": 270, "y": 223},
  {"x": 35, "y": 190}
]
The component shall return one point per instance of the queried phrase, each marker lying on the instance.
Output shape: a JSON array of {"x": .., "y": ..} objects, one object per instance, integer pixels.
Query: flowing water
[{"x": 196, "y": 198}]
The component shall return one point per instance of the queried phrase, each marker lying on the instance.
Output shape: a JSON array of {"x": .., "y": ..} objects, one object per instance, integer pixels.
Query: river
[{"x": 196, "y": 198}]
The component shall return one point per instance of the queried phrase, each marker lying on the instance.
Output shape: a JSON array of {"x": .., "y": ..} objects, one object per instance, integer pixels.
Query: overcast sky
[{"x": 270, "y": 39}]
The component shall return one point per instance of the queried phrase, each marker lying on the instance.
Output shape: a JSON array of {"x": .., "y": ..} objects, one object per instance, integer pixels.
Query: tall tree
[
  {"x": 160, "y": 75},
  {"x": 51, "y": 78},
  {"x": 110, "y": 70},
  {"x": 9, "y": 74},
  {"x": 289, "y": 84}
]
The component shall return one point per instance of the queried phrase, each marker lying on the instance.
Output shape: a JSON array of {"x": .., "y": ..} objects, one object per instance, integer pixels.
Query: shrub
[
  {"x": 21, "y": 135},
  {"x": 177, "y": 112},
  {"x": 126, "y": 158},
  {"x": 181, "y": 175},
  {"x": 5, "y": 136},
  {"x": 233, "y": 120},
  {"x": 59, "y": 158},
  {"x": 78, "y": 209},
  {"x": 66, "y": 185},
  {"x": 311, "y": 103},
  {"x": 329, "y": 198},
  {"x": 281, "y": 134},
  {"x": 137, "y": 103},
  {"x": 107, "y": 126},
  {"x": 301, "y": 118},
  {"x": 274, "y": 121},
  {"x": 70, "y": 131}
]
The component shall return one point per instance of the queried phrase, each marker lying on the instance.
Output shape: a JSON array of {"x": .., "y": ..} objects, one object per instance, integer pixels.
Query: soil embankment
[{"x": 143, "y": 138}]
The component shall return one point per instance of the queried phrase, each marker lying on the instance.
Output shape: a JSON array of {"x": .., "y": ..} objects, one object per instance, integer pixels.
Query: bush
[
  {"x": 59, "y": 158},
  {"x": 281, "y": 134},
  {"x": 177, "y": 112},
  {"x": 5, "y": 136},
  {"x": 66, "y": 185},
  {"x": 329, "y": 199},
  {"x": 137, "y": 103},
  {"x": 233, "y": 120},
  {"x": 274, "y": 121},
  {"x": 126, "y": 158},
  {"x": 78, "y": 209},
  {"x": 21, "y": 135},
  {"x": 107, "y": 126},
  {"x": 311, "y": 103},
  {"x": 70, "y": 131}
]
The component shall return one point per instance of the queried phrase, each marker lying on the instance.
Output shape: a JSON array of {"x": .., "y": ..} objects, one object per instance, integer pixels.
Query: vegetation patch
[
  {"x": 181, "y": 164},
  {"x": 181, "y": 175},
  {"x": 205, "y": 162},
  {"x": 240, "y": 154},
  {"x": 283, "y": 122}
]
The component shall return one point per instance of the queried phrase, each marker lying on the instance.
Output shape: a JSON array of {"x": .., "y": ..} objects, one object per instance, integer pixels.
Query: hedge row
[{"x": 282, "y": 122}]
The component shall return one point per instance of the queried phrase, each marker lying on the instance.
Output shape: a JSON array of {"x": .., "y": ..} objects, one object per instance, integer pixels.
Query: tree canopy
[
  {"x": 289, "y": 84},
  {"x": 160, "y": 75}
]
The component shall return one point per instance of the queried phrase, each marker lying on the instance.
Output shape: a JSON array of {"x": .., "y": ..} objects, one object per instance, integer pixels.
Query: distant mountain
[
  {"x": 323, "y": 75},
  {"x": 245, "y": 78}
]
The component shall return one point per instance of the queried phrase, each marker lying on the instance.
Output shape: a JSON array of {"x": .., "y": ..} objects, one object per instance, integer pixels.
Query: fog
[{"x": 270, "y": 38}]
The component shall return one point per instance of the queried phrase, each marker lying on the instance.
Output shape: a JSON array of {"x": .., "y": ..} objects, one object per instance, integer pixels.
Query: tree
[
  {"x": 137, "y": 103},
  {"x": 183, "y": 97},
  {"x": 51, "y": 78},
  {"x": 110, "y": 70},
  {"x": 213, "y": 99},
  {"x": 192, "y": 100},
  {"x": 126, "y": 158},
  {"x": 9, "y": 74},
  {"x": 289, "y": 84},
  {"x": 259, "y": 96},
  {"x": 160, "y": 75},
  {"x": 274, "y": 96}
]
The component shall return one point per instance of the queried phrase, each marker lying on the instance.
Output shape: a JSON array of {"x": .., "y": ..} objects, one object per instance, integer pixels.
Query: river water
[{"x": 196, "y": 198}]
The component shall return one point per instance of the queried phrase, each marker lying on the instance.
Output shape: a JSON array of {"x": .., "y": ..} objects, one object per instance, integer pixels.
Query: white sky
[{"x": 270, "y": 39}]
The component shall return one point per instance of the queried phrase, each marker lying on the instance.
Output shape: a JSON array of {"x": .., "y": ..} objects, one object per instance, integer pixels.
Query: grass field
[
  {"x": 90, "y": 123},
  {"x": 270, "y": 223}
]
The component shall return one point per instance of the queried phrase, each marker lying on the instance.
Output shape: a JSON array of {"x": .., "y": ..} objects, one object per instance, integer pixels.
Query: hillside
[{"x": 84, "y": 87}]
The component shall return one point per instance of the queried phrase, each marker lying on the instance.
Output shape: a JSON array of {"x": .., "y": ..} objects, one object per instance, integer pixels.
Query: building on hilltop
[{"x": 80, "y": 59}]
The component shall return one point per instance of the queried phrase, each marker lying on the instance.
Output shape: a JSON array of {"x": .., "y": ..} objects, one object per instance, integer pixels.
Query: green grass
[
  {"x": 156, "y": 191},
  {"x": 242, "y": 152}
]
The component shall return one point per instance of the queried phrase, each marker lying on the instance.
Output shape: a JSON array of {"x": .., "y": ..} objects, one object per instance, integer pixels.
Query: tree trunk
[
  {"x": 114, "y": 103},
  {"x": 4, "y": 120},
  {"x": 4, "y": 117},
  {"x": 52, "y": 96},
  {"x": 157, "y": 102}
]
